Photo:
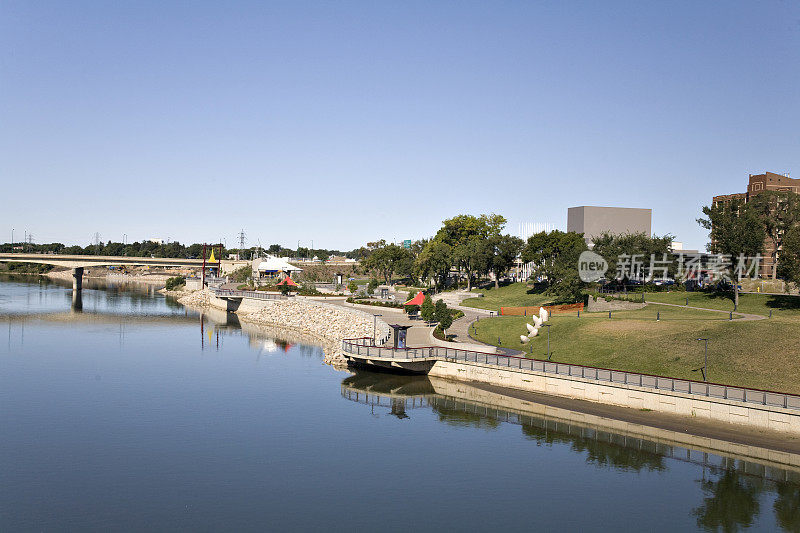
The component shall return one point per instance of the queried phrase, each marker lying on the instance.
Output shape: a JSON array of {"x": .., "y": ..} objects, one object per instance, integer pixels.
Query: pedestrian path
[{"x": 742, "y": 316}]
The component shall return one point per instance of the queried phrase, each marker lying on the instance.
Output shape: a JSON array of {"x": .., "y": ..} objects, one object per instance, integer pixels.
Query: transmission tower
[{"x": 241, "y": 240}]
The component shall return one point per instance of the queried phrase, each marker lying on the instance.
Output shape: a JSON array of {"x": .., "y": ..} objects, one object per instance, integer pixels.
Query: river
[{"x": 126, "y": 411}]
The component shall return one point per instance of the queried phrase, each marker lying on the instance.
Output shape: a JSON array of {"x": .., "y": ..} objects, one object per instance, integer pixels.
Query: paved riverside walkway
[{"x": 419, "y": 333}]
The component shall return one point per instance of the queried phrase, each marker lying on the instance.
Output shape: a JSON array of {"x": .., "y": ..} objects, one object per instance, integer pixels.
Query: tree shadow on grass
[
  {"x": 783, "y": 302},
  {"x": 721, "y": 295}
]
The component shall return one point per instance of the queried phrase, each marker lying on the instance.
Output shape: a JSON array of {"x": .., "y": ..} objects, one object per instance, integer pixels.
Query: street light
[
  {"x": 549, "y": 355},
  {"x": 705, "y": 364},
  {"x": 374, "y": 325}
]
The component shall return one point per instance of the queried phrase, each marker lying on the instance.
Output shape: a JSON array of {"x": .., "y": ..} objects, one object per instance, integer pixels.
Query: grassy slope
[
  {"x": 761, "y": 354},
  {"x": 514, "y": 295}
]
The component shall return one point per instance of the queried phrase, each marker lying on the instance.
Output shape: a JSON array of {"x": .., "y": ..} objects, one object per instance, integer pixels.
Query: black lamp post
[{"x": 705, "y": 356}]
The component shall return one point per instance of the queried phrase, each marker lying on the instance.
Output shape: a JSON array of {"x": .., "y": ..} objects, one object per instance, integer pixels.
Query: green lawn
[
  {"x": 513, "y": 295},
  {"x": 761, "y": 354}
]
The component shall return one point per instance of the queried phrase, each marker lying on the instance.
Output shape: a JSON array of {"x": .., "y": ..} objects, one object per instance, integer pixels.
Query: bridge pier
[{"x": 77, "y": 278}]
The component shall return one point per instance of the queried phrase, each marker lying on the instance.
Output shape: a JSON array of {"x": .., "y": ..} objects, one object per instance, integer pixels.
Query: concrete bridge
[{"x": 78, "y": 262}]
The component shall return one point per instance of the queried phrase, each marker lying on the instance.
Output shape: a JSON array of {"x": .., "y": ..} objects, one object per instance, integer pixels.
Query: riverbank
[
  {"x": 327, "y": 323},
  {"x": 705, "y": 435}
]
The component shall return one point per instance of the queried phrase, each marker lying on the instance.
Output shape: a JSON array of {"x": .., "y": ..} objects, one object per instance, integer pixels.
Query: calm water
[{"x": 128, "y": 412}]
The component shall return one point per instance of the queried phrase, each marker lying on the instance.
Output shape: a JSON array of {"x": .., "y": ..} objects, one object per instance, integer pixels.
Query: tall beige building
[{"x": 593, "y": 221}]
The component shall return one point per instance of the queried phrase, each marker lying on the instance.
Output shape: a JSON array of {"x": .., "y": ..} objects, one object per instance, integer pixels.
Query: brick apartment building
[{"x": 768, "y": 181}]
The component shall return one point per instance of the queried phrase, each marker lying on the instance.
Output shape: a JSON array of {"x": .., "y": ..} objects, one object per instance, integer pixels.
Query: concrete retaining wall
[{"x": 734, "y": 412}]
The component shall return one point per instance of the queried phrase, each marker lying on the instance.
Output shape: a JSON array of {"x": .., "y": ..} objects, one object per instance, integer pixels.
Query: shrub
[
  {"x": 242, "y": 274},
  {"x": 308, "y": 289},
  {"x": 441, "y": 335},
  {"x": 393, "y": 305},
  {"x": 412, "y": 309},
  {"x": 175, "y": 283},
  {"x": 352, "y": 287}
]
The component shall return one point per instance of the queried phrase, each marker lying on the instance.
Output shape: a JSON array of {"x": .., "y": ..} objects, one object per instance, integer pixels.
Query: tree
[
  {"x": 555, "y": 259},
  {"x": 789, "y": 265},
  {"x": 470, "y": 239},
  {"x": 428, "y": 310},
  {"x": 473, "y": 256},
  {"x": 506, "y": 250},
  {"x": 779, "y": 212},
  {"x": 434, "y": 262},
  {"x": 735, "y": 230},
  {"x": 352, "y": 287},
  {"x": 443, "y": 316},
  {"x": 387, "y": 259},
  {"x": 612, "y": 246}
]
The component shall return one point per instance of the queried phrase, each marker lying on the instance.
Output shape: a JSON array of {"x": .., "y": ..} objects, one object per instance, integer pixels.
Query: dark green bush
[{"x": 175, "y": 283}]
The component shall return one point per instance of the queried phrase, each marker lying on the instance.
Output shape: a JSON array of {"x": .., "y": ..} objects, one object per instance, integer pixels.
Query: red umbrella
[{"x": 416, "y": 300}]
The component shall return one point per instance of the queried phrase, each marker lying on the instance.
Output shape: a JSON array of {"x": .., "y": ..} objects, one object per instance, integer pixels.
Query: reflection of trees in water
[
  {"x": 600, "y": 452},
  {"x": 787, "y": 506},
  {"x": 457, "y": 417},
  {"x": 730, "y": 499},
  {"x": 730, "y": 502}
]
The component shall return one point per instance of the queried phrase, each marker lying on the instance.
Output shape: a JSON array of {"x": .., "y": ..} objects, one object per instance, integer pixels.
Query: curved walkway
[{"x": 742, "y": 316}]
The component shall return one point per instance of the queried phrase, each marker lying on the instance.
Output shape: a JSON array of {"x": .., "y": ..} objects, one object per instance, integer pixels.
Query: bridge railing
[
  {"x": 259, "y": 295},
  {"x": 363, "y": 347}
]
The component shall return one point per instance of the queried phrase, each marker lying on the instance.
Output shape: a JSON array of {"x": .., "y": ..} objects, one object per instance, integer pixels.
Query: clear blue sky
[{"x": 344, "y": 122}]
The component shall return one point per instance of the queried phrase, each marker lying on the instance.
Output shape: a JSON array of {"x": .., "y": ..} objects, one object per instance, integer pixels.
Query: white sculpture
[
  {"x": 531, "y": 329},
  {"x": 543, "y": 314},
  {"x": 534, "y": 333},
  {"x": 537, "y": 321},
  {"x": 523, "y": 339}
]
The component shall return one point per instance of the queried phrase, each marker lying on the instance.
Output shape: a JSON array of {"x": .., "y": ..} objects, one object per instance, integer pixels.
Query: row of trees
[
  {"x": 135, "y": 249},
  {"x": 472, "y": 245}
]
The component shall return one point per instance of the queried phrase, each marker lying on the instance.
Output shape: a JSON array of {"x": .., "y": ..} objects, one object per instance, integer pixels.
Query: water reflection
[
  {"x": 730, "y": 501},
  {"x": 77, "y": 301},
  {"x": 26, "y": 295},
  {"x": 732, "y": 488}
]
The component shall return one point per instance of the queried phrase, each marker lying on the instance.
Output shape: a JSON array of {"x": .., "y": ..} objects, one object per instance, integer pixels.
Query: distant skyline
[{"x": 349, "y": 122}]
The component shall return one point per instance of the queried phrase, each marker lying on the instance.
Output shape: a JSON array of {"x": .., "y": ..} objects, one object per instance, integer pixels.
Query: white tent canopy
[{"x": 276, "y": 264}]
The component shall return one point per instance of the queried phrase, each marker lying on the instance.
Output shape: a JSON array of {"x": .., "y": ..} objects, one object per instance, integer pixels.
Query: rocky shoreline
[{"x": 328, "y": 323}]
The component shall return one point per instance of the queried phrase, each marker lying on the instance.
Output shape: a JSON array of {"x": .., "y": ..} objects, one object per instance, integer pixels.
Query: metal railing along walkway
[
  {"x": 259, "y": 295},
  {"x": 363, "y": 347}
]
